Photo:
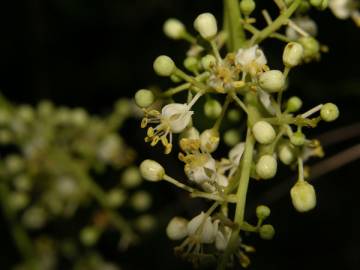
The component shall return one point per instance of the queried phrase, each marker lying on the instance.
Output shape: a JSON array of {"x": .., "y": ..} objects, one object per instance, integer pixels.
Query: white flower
[
  {"x": 251, "y": 60},
  {"x": 200, "y": 168},
  {"x": 236, "y": 153},
  {"x": 222, "y": 238},
  {"x": 177, "y": 116},
  {"x": 306, "y": 24},
  {"x": 201, "y": 225},
  {"x": 209, "y": 140},
  {"x": 265, "y": 99}
]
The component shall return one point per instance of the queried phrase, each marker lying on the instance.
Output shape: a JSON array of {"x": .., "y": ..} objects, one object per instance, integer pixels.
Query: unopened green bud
[
  {"x": 151, "y": 170},
  {"x": 115, "y": 198},
  {"x": 266, "y": 167},
  {"x": 234, "y": 115},
  {"x": 293, "y": 54},
  {"x": 212, "y": 108},
  {"x": 286, "y": 154},
  {"x": 191, "y": 63},
  {"x": 319, "y": 4},
  {"x": 177, "y": 228},
  {"x": 206, "y": 25},
  {"x": 263, "y": 132},
  {"x": 174, "y": 29},
  {"x": 272, "y": 81},
  {"x": 293, "y": 104},
  {"x": 131, "y": 177},
  {"x": 232, "y": 137},
  {"x": 303, "y": 196},
  {"x": 298, "y": 138},
  {"x": 329, "y": 112},
  {"x": 164, "y": 66},
  {"x": 247, "y": 6},
  {"x": 262, "y": 212},
  {"x": 89, "y": 235},
  {"x": 144, "y": 98},
  {"x": 311, "y": 48},
  {"x": 267, "y": 232},
  {"x": 208, "y": 61},
  {"x": 141, "y": 201},
  {"x": 145, "y": 223}
]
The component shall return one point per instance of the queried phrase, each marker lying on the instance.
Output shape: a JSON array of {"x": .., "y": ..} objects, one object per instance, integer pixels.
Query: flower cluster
[
  {"x": 272, "y": 132},
  {"x": 52, "y": 172}
]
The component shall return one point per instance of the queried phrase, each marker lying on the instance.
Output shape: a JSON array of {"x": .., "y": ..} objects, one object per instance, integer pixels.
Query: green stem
[
  {"x": 281, "y": 20},
  {"x": 236, "y": 34}
]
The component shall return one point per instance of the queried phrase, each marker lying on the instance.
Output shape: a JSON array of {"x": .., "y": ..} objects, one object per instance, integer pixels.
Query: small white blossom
[
  {"x": 251, "y": 60},
  {"x": 203, "y": 226},
  {"x": 200, "y": 168}
]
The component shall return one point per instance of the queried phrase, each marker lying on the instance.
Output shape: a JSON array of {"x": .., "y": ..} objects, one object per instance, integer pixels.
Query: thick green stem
[
  {"x": 275, "y": 25},
  {"x": 236, "y": 34}
]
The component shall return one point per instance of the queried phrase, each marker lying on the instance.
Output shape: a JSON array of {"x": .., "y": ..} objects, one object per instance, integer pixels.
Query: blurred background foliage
[{"x": 89, "y": 53}]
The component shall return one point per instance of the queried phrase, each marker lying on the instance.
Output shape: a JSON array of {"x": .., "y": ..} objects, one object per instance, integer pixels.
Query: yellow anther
[{"x": 144, "y": 122}]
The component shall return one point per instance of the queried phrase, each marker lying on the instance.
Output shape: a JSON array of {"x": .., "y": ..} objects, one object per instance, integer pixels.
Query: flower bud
[
  {"x": 247, "y": 7},
  {"x": 298, "y": 138},
  {"x": 231, "y": 137},
  {"x": 164, "y": 66},
  {"x": 209, "y": 140},
  {"x": 303, "y": 196},
  {"x": 267, "y": 232},
  {"x": 263, "y": 132},
  {"x": 141, "y": 201},
  {"x": 190, "y": 133},
  {"x": 151, "y": 170},
  {"x": 311, "y": 48},
  {"x": 212, "y": 108},
  {"x": 293, "y": 54},
  {"x": 191, "y": 63},
  {"x": 115, "y": 198},
  {"x": 319, "y": 4},
  {"x": 177, "y": 228},
  {"x": 145, "y": 223},
  {"x": 266, "y": 167},
  {"x": 206, "y": 25},
  {"x": 234, "y": 115},
  {"x": 208, "y": 61},
  {"x": 131, "y": 177},
  {"x": 272, "y": 81},
  {"x": 144, "y": 98},
  {"x": 329, "y": 112},
  {"x": 89, "y": 235},
  {"x": 174, "y": 29},
  {"x": 293, "y": 104},
  {"x": 286, "y": 154},
  {"x": 262, "y": 212}
]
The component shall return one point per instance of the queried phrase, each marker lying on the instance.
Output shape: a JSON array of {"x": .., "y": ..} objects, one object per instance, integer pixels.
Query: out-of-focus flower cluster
[{"x": 66, "y": 178}]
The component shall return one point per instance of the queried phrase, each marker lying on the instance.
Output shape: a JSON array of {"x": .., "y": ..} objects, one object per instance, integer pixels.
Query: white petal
[
  {"x": 236, "y": 153},
  {"x": 266, "y": 101}
]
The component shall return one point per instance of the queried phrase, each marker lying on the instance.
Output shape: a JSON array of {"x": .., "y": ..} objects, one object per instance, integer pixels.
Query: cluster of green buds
[
  {"x": 52, "y": 173},
  {"x": 268, "y": 128}
]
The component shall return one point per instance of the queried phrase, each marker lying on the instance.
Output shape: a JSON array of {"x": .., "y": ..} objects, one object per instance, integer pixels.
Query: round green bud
[
  {"x": 263, "y": 132},
  {"x": 18, "y": 200},
  {"x": 151, "y": 170},
  {"x": 34, "y": 217},
  {"x": 206, "y": 25},
  {"x": 267, "y": 232},
  {"x": 272, "y": 81},
  {"x": 141, "y": 201},
  {"x": 266, "y": 167},
  {"x": 177, "y": 228},
  {"x": 329, "y": 112},
  {"x": 145, "y": 223},
  {"x": 45, "y": 108},
  {"x": 208, "y": 61},
  {"x": 164, "y": 66},
  {"x": 262, "y": 212},
  {"x": 293, "y": 104},
  {"x": 123, "y": 107},
  {"x": 115, "y": 198},
  {"x": 174, "y": 29},
  {"x": 293, "y": 54},
  {"x": 286, "y": 154},
  {"x": 234, "y": 115},
  {"x": 14, "y": 163},
  {"x": 232, "y": 137},
  {"x": 144, "y": 98},
  {"x": 26, "y": 113},
  {"x": 89, "y": 235},
  {"x": 311, "y": 48},
  {"x": 79, "y": 117},
  {"x": 319, "y": 4},
  {"x": 247, "y": 6},
  {"x": 191, "y": 63},
  {"x": 298, "y": 138},
  {"x": 212, "y": 108},
  {"x": 303, "y": 196},
  {"x": 131, "y": 177}
]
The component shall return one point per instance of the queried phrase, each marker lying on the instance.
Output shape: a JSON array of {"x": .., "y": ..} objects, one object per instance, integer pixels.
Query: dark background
[{"x": 91, "y": 52}]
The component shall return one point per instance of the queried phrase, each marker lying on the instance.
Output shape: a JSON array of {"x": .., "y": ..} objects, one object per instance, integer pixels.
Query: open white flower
[
  {"x": 174, "y": 118},
  {"x": 251, "y": 60},
  {"x": 200, "y": 167},
  {"x": 202, "y": 226}
]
